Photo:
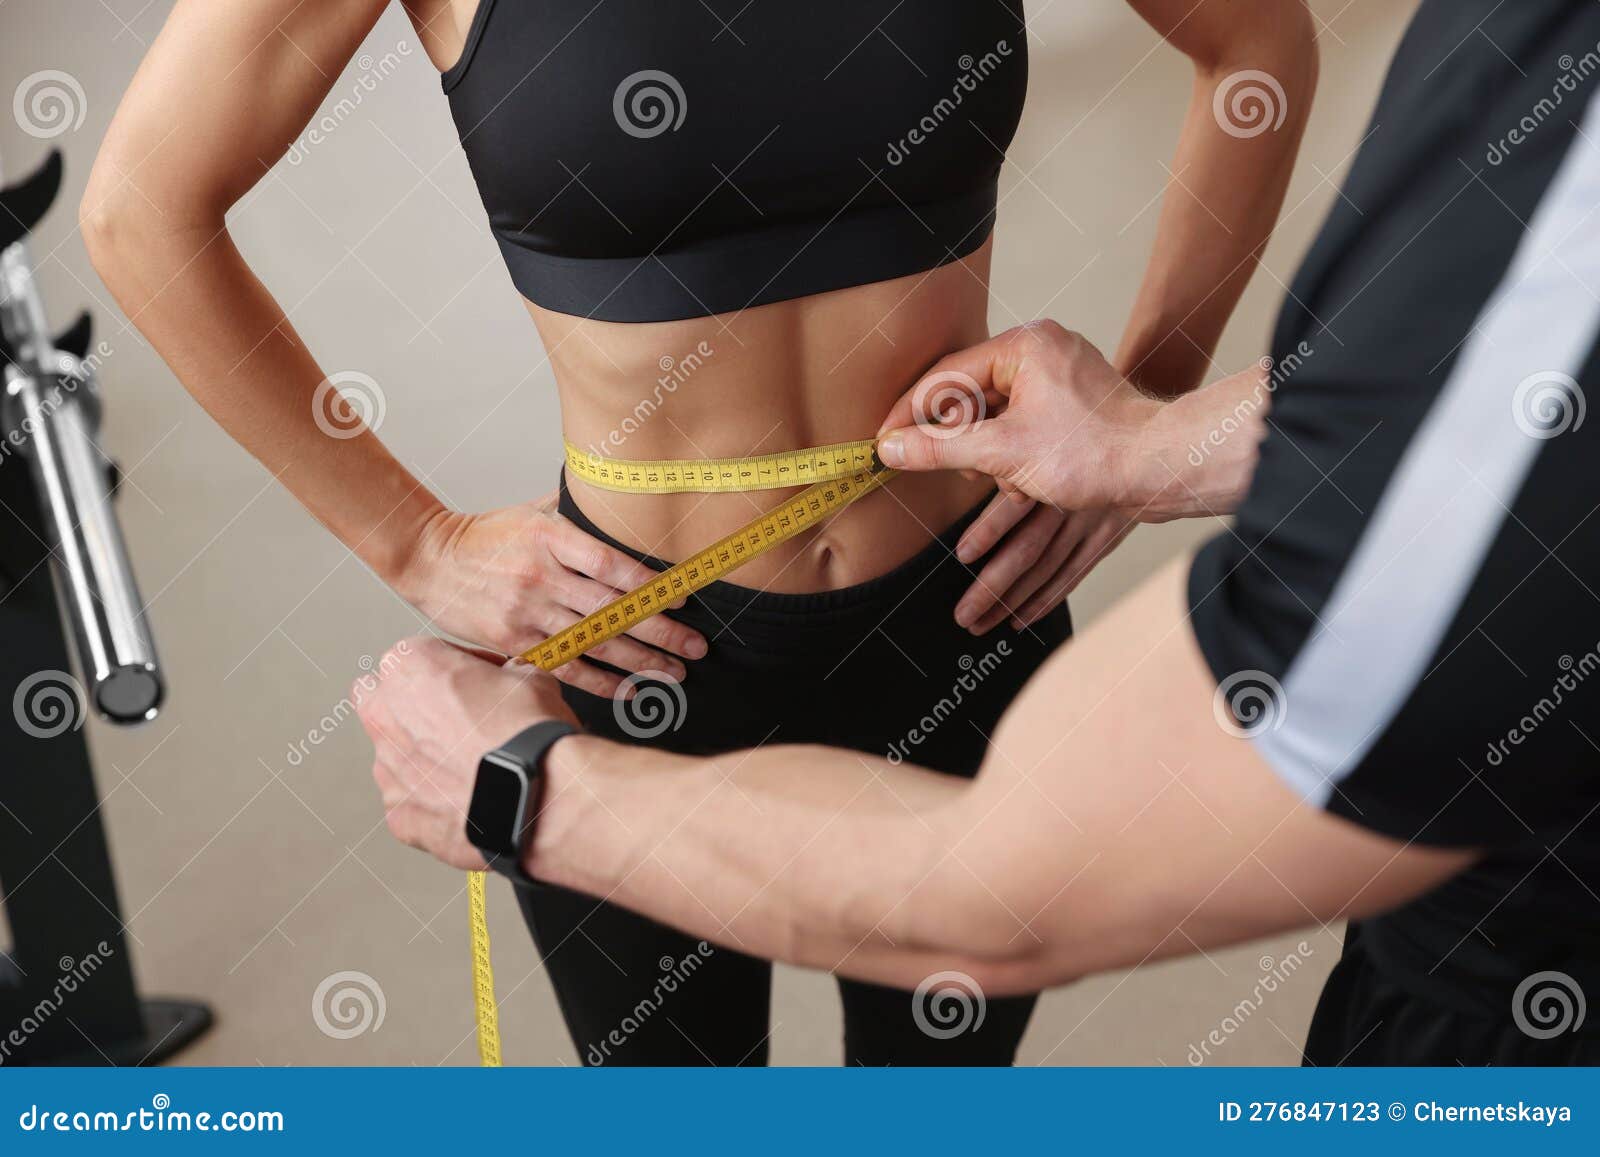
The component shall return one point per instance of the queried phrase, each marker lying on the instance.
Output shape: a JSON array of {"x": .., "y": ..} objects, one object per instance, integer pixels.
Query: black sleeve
[{"x": 1405, "y": 618}]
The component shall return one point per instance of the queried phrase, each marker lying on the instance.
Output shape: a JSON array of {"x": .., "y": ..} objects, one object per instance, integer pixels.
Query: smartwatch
[{"x": 506, "y": 797}]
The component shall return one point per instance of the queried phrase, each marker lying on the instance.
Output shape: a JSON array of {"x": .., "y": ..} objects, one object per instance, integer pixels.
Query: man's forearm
[
  {"x": 1073, "y": 850},
  {"x": 1197, "y": 454},
  {"x": 1090, "y": 840},
  {"x": 812, "y": 855}
]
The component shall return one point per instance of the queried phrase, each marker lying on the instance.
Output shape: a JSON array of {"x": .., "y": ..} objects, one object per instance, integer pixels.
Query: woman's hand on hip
[{"x": 510, "y": 578}]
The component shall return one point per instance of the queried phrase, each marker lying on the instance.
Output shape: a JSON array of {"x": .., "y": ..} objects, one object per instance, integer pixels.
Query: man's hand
[
  {"x": 1041, "y": 411},
  {"x": 1056, "y": 422},
  {"x": 433, "y": 710},
  {"x": 1051, "y": 420}
]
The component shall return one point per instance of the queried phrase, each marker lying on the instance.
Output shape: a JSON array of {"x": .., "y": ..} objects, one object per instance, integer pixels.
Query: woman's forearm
[
  {"x": 189, "y": 291},
  {"x": 1227, "y": 181}
]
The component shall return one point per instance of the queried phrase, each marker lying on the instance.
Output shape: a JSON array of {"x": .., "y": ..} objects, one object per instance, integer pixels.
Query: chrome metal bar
[{"x": 51, "y": 414}]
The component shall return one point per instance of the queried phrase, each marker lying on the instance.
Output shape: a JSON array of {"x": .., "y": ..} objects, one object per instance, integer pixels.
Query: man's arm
[
  {"x": 1064, "y": 427},
  {"x": 1095, "y": 835},
  {"x": 1090, "y": 839}
]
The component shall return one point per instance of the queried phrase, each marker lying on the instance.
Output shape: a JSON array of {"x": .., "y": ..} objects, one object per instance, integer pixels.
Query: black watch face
[{"x": 495, "y": 813}]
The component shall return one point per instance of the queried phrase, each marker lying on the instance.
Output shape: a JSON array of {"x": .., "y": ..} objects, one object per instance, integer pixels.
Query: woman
[{"x": 791, "y": 202}]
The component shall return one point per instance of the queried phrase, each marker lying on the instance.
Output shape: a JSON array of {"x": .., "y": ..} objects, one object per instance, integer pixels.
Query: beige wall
[{"x": 249, "y": 876}]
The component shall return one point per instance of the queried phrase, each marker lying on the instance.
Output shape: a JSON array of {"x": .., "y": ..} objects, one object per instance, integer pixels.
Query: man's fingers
[
  {"x": 990, "y": 527},
  {"x": 987, "y": 601},
  {"x": 1027, "y": 585},
  {"x": 376, "y": 718},
  {"x": 1067, "y": 542},
  {"x": 937, "y": 448},
  {"x": 950, "y": 419},
  {"x": 1047, "y": 599},
  {"x": 1083, "y": 559},
  {"x": 991, "y": 365}
]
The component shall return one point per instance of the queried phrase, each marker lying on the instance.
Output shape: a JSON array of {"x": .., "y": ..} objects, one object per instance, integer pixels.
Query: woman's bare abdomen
[{"x": 778, "y": 377}]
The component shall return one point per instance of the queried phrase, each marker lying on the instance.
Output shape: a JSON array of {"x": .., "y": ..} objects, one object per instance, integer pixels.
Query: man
[{"x": 1372, "y": 699}]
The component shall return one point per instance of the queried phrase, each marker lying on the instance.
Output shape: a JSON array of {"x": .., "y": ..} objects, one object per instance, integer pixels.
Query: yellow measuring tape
[
  {"x": 839, "y": 474},
  {"x": 723, "y": 475},
  {"x": 483, "y": 973}
]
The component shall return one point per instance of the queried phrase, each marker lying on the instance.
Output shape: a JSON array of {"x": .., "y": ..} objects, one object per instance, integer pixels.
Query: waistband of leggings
[{"x": 874, "y": 594}]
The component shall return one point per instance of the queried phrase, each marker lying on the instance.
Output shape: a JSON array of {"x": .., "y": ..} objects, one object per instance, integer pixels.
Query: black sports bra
[{"x": 648, "y": 160}]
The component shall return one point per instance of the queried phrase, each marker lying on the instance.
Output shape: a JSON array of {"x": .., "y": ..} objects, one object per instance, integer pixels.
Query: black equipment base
[{"x": 57, "y": 888}]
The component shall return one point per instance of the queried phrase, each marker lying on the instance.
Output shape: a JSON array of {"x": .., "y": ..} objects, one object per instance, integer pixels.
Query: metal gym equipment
[{"x": 67, "y": 992}]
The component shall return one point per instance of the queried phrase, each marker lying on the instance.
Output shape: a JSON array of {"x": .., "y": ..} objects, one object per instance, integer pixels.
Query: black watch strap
[
  {"x": 511, "y": 868},
  {"x": 529, "y": 745},
  {"x": 527, "y": 748}
]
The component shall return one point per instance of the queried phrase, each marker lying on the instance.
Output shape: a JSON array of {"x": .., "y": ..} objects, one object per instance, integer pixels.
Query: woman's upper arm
[
  {"x": 223, "y": 91},
  {"x": 1218, "y": 33}
]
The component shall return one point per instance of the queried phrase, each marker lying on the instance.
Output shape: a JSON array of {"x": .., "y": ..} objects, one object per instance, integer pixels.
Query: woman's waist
[
  {"x": 868, "y": 540},
  {"x": 773, "y": 379}
]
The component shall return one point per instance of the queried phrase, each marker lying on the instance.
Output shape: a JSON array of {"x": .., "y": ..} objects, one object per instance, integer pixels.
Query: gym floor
[{"x": 253, "y": 863}]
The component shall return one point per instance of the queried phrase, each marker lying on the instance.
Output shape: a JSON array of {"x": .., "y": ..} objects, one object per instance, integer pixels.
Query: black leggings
[
  {"x": 1408, "y": 992},
  {"x": 880, "y": 667}
]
